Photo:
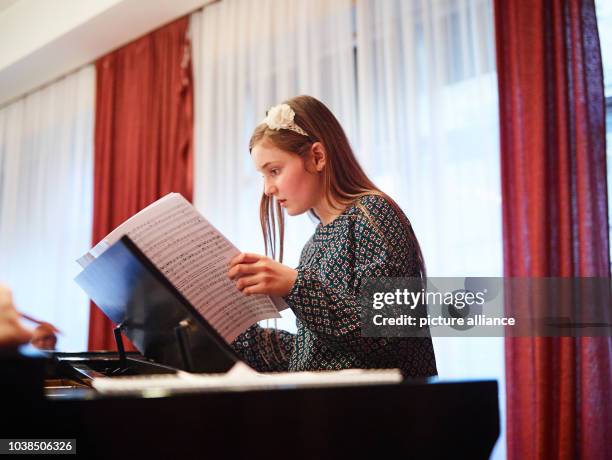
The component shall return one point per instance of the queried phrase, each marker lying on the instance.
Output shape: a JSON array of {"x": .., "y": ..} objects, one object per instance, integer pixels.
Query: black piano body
[{"x": 415, "y": 419}]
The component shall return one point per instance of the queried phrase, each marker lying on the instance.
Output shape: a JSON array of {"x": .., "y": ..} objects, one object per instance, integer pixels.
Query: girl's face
[{"x": 286, "y": 178}]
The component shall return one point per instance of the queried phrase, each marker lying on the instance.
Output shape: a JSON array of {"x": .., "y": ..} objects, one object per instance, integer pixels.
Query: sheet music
[
  {"x": 242, "y": 377},
  {"x": 194, "y": 256}
]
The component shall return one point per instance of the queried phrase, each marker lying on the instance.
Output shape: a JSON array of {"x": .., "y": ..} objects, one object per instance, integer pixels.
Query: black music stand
[{"x": 150, "y": 311}]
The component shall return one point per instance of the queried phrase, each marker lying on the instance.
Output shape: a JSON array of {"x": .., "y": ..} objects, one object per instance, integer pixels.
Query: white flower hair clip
[{"x": 281, "y": 117}]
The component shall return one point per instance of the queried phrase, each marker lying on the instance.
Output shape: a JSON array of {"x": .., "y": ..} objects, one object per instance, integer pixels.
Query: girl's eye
[{"x": 274, "y": 171}]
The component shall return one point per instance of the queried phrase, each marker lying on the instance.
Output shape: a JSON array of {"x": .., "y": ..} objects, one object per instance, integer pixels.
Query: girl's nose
[{"x": 269, "y": 189}]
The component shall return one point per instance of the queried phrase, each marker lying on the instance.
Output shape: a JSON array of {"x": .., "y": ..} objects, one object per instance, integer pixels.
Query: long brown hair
[{"x": 344, "y": 179}]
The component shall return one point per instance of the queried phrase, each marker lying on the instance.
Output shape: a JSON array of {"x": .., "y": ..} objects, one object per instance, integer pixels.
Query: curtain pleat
[
  {"x": 143, "y": 136},
  {"x": 555, "y": 221}
]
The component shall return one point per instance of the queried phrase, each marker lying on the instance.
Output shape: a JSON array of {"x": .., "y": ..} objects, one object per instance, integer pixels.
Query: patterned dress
[{"x": 325, "y": 297}]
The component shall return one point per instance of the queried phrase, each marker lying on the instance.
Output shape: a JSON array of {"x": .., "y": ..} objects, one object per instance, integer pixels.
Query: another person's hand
[
  {"x": 257, "y": 274},
  {"x": 44, "y": 337},
  {"x": 12, "y": 333}
]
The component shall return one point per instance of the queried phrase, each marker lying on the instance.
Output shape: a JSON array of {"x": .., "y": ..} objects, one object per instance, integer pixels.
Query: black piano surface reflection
[{"x": 415, "y": 419}]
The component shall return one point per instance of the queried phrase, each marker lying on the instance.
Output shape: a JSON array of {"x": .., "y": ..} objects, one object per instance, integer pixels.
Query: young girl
[{"x": 308, "y": 166}]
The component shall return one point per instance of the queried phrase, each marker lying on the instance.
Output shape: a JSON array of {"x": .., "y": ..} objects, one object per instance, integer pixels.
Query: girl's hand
[{"x": 256, "y": 274}]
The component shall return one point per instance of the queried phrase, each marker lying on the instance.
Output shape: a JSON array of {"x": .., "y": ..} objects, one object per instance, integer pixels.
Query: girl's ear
[{"x": 319, "y": 156}]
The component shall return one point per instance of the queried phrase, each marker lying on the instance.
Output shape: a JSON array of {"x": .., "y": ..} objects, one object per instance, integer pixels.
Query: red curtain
[
  {"x": 555, "y": 222},
  {"x": 143, "y": 136}
]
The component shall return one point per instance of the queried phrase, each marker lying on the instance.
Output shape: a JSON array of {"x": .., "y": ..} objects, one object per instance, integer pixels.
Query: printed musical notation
[{"x": 193, "y": 255}]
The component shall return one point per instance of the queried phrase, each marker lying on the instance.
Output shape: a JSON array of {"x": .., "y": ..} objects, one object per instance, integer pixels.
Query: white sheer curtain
[
  {"x": 429, "y": 137},
  {"x": 46, "y": 154},
  {"x": 429, "y": 126},
  {"x": 247, "y": 57},
  {"x": 414, "y": 85}
]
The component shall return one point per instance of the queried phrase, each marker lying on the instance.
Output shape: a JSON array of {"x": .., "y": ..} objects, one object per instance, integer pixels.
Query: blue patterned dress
[{"x": 325, "y": 297}]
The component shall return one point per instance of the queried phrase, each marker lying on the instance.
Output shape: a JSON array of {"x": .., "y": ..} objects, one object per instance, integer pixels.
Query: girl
[{"x": 308, "y": 166}]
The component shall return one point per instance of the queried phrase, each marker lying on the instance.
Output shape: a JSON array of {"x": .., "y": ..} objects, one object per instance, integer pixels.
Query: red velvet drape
[
  {"x": 143, "y": 135},
  {"x": 555, "y": 222}
]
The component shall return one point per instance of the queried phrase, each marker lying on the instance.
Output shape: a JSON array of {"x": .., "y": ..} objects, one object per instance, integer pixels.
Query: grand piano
[
  {"x": 54, "y": 396},
  {"x": 415, "y": 419}
]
